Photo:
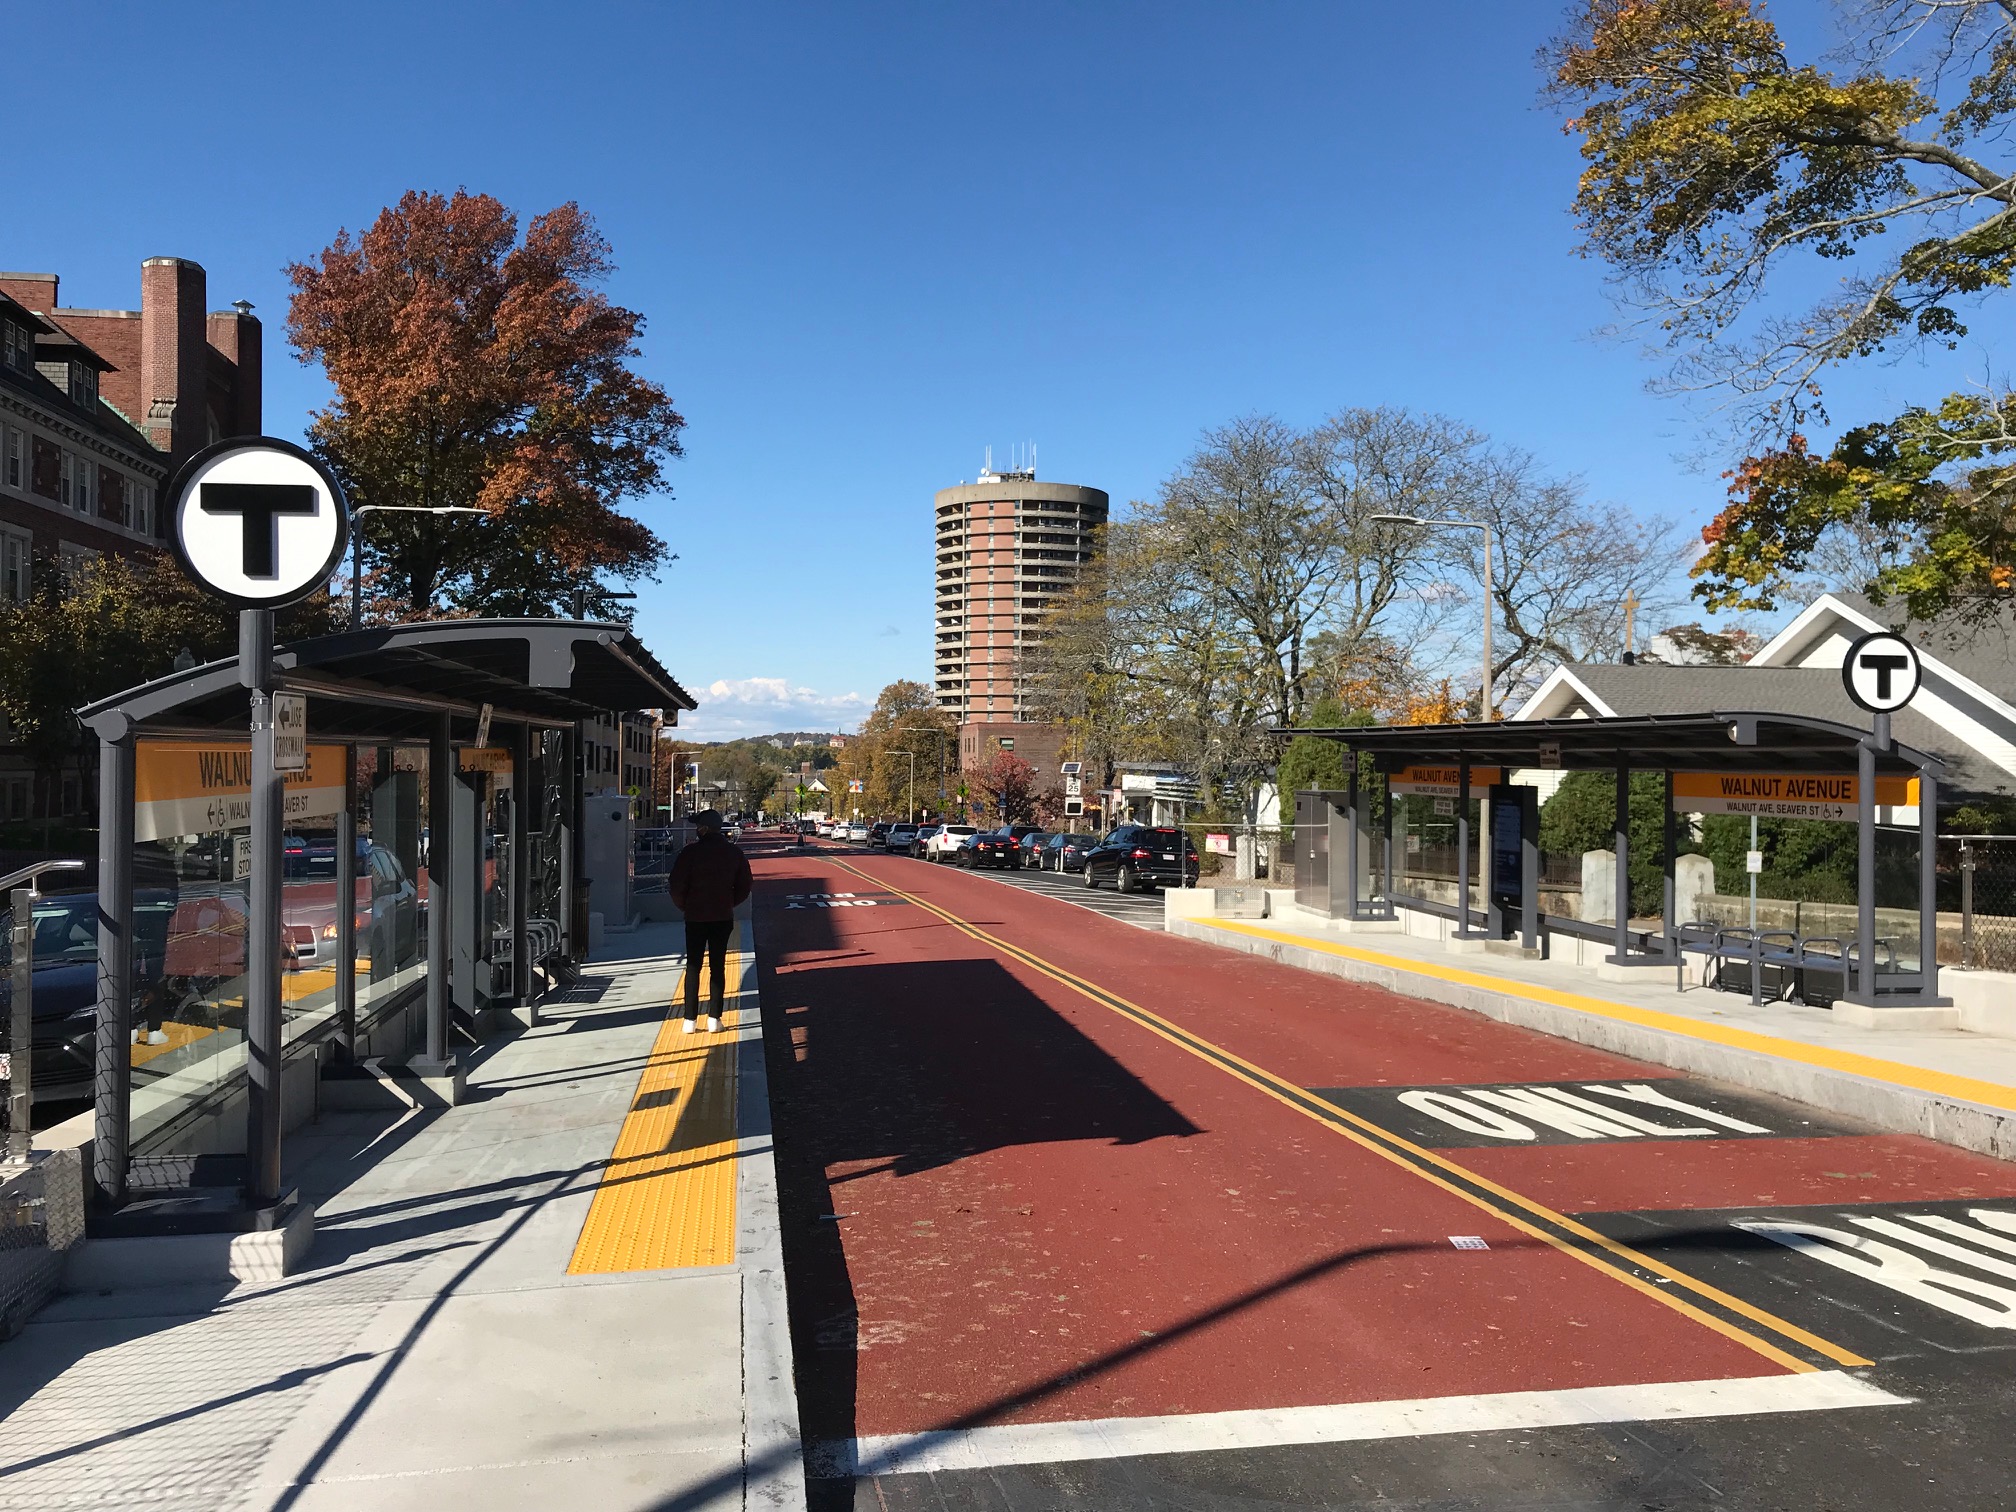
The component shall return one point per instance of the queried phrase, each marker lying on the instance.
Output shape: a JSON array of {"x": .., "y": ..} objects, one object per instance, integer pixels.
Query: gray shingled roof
[
  {"x": 1814, "y": 692},
  {"x": 1983, "y": 653}
]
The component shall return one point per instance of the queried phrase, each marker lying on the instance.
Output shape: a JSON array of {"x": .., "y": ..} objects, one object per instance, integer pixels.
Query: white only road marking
[{"x": 1196, "y": 1433}]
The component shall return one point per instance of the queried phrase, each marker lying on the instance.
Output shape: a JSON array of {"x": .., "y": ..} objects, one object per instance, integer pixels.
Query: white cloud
[{"x": 733, "y": 707}]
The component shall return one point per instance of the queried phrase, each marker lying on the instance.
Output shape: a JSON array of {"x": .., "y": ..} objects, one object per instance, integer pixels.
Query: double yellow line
[{"x": 1618, "y": 1261}]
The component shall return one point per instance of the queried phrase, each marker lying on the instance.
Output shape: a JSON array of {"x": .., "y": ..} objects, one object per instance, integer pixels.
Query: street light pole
[
  {"x": 928, "y": 730},
  {"x": 357, "y": 545},
  {"x": 1485, "y": 709}
]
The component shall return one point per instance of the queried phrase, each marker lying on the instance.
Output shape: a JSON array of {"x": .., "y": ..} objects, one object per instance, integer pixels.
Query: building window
[
  {"x": 84, "y": 479},
  {"x": 16, "y": 550},
  {"x": 74, "y": 557},
  {"x": 17, "y": 346},
  {"x": 17, "y": 798},
  {"x": 48, "y": 470},
  {"x": 140, "y": 506},
  {"x": 84, "y": 385},
  {"x": 111, "y": 496},
  {"x": 14, "y": 458}
]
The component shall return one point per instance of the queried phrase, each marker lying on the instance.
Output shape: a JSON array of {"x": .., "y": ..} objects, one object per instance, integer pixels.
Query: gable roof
[{"x": 1981, "y": 651}]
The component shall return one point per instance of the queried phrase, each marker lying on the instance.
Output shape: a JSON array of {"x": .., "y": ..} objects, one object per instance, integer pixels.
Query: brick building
[{"x": 97, "y": 409}]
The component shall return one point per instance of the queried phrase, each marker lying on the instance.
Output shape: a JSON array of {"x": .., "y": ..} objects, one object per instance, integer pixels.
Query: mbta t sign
[
  {"x": 258, "y": 522},
  {"x": 1881, "y": 672}
]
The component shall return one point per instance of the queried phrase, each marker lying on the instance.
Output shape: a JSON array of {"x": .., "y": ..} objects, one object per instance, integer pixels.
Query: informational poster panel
[{"x": 181, "y": 788}]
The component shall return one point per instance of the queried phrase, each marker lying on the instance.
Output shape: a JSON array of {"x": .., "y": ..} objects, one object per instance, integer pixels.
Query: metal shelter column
[
  {"x": 521, "y": 867},
  {"x": 440, "y": 850},
  {"x": 1671, "y": 875},
  {"x": 113, "y": 1051},
  {"x": 1621, "y": 841},
  {"x": 346, "y": 907},
  {"x": 1928, "y": 885}
]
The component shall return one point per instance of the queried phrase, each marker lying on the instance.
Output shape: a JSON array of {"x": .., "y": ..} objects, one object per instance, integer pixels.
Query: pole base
[{"x": 439, "y": 1083}]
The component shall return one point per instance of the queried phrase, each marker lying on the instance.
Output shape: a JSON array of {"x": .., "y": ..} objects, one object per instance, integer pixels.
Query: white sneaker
[
  {"x": 713, "y": 1024},
  {"x": 690, "y": 1026}
]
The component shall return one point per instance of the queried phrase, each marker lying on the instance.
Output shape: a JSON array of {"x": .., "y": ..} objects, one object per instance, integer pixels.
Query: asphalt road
[
  {"x": 1080, "y": 1216},
  {"x": 1142, "y": 909}
]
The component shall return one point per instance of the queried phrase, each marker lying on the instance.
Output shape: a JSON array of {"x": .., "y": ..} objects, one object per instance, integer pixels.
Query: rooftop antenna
[{"x": 988, "y": 465}]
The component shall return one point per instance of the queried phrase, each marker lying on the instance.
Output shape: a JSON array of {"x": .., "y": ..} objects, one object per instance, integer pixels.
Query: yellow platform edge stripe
[
  {"x": 666, "y": 1198},
  {"x": 1919, "y": 1078},
  {"x": 1413, "y": 1158}
]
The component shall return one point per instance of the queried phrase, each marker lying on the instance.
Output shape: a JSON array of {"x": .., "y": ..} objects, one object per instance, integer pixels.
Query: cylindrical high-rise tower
[{"x": 1008, "y": 546}]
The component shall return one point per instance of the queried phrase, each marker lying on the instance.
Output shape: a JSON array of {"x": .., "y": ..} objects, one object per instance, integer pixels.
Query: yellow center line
[
  {"x": 1415, "y": 1158},
  {"x": 666, "y": 1199}
]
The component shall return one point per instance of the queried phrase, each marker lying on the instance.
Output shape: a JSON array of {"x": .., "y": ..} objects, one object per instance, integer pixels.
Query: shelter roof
[
  {"x": 1740, "y": 741},
  {"x": 390, "y": 683},
  {"x": 1809, "y": 692}
]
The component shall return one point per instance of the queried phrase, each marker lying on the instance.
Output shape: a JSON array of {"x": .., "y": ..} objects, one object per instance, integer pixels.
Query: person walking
[{"x": 709, "y": 881}]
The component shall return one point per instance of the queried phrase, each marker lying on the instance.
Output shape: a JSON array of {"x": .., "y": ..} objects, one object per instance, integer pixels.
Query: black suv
[
  {"x": 1137, "y": 855},
  {"x": 999, "y": 848}
]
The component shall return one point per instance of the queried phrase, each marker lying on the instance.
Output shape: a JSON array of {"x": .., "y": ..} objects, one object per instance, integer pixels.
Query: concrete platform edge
[
  {"x": 772, "y": 1447},
  {"x": 1887, "y": 1105}
]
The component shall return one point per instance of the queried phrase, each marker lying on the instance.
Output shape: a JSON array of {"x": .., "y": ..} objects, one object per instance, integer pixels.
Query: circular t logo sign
[
  {"x": 258, "y": 522},
  {"x": 1882, "y": 672}
]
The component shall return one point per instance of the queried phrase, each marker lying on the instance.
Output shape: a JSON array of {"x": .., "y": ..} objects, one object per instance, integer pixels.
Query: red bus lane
[{"x": 1045, "y": 1168}]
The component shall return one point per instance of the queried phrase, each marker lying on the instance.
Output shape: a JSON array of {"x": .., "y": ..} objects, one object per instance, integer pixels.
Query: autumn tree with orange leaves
[{"x": 477, "y": 369}]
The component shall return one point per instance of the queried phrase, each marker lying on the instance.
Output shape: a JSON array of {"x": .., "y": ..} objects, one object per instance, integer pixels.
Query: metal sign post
[
  {"x": 1881, "y": 673},
  {"x": 260, "y": 523}
]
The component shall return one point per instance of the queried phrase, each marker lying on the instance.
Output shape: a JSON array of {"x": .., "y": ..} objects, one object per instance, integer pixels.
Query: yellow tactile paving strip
[{"x": 667, "y": 1196}]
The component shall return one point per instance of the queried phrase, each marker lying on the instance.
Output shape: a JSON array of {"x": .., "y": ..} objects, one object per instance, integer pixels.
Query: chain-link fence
[{"x": 1977, "y": 901}]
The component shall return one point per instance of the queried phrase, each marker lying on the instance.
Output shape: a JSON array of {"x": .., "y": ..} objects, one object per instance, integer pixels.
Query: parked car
[
  {"x": 949, "y": 841},
  {"x": 1065, "y": 853},
  {"x": 897, "y": 840},
  {"x": 857, "y": 831},
  {"x": 877, "y": 830},
  {"x": 822, "y": 828},
  {"x": 1029, "y": 853},
  {"x": 1138, "y": 855},
  {"x": 996, "y": 848},
  {"x": 920, "y": 842}
]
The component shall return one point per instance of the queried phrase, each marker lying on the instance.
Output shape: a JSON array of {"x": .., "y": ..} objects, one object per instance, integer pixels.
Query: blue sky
[{"x": 871, "y": 240}]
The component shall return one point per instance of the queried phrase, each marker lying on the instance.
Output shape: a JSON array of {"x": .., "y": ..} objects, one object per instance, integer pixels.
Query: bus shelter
[
  {"x": 1721, "y": 762},
  {"x": 431, "y": 877}
]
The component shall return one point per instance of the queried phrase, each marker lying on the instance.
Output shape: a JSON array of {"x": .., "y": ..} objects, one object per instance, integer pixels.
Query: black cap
[{"x": 707, "y": 819}]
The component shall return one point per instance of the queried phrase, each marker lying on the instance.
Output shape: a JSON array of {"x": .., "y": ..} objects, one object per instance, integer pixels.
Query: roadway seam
[{"x": 1597, "y": 1250}]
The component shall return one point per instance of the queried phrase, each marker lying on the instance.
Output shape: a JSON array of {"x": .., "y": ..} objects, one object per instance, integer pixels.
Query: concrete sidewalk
[
  {"x": 437, "y": 1352},
  {"x": 1947, "y": 1084}
]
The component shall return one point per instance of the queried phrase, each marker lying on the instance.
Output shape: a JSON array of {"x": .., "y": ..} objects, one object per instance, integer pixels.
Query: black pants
[{"x": 710, "y": 940}]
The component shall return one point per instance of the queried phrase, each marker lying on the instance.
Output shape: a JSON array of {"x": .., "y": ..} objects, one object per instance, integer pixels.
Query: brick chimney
[
  {"x": 238, "y": 338},
  {"x": 35, "y": 290},
  {"x": 173, "y": 347}
]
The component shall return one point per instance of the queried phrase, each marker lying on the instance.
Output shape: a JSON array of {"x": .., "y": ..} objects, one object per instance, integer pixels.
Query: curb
[
  {"x": 773, "y": 1458},
  {"x": 1888, "y": 1105}
]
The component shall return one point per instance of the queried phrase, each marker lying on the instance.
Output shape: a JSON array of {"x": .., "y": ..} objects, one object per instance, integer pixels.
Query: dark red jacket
[{"x": 708, "y": 881}]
